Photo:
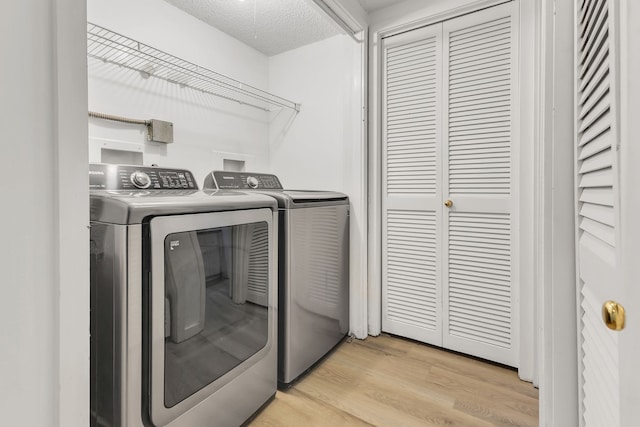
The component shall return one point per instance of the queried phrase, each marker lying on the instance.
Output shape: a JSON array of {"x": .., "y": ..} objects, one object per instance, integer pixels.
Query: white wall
[
  {"x": 322, "y": 146},
  {"x": 557, "y": 310},
  {"x": 44, "y": 361},
  {"x": 207, "y": 129}
]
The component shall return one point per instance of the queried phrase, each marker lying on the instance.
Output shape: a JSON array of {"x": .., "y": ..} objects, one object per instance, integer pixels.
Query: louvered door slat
[
  {"x": 494, "y": 47},
  {"x": 600, "y": 160},
  {"x": 403, "y": 97},
  {"x": 481, "y": 28},
  {"x": 409, "y": 60},
  {"x": 482, "y": 313},
  {"x": 480, "y": 334},
  {"x": 473, "y": 102},
  {"x": 598, "y": 213},
  {"x": 410, "y": 66},
  {"x": 487, "y": 112},
  {"x": 597, "y": 229},
  {"x": 460, "y": 162},
  {"x": 408, "y": 78},
  {"x": 480, "y": 72},
  {"x": 408, "y": 49},
  {"x": 480, "y": 31},
  {"x": 481, "y": 253},
  {"x": 409, "y": 95},
  {"x": 469, "y": 284},
  {"x": 410, "y": 110},
  {"x": 598, "y": 196},
  {"x": 596, "y": 146},
  {"x": 601, "y": 178},
  {"x": 406, "y": 150},
  {"x": 481, "y": 66},
  {"x": 404, "y": 147}
]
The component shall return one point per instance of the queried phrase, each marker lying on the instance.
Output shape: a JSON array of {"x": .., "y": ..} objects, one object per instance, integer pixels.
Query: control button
[
  {"x": 140, "y": 179},
  {"x": 252, "y": 182}
]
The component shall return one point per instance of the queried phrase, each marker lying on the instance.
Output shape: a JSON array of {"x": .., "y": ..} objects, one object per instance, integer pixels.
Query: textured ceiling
[
  {"x": 371, "y": 5},
  {"x": 269, "y": 26}
]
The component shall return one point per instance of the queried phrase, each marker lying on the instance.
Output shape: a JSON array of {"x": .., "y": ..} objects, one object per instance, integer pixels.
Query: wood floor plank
[
  {"x": 389, "y": 381},
  {"x": 457, "y": 384},
  {"x": 409, "y": 374},
  {"x": 294, "y": 409},
  {"x": 433, "y": 356},
  {"x": 377, "y": 400}
]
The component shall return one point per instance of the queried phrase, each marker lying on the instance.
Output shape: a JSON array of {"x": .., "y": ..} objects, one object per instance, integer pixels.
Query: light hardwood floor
[{"x": 389, "y": 381}]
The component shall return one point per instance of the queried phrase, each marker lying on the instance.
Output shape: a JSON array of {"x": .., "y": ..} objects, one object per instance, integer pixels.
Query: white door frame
[
  {"x": 556, "y": 303},
  {"x": 72, "y": 211},
  {"x": 527, "y": 143},
  {"x": 630, "y": 205}
]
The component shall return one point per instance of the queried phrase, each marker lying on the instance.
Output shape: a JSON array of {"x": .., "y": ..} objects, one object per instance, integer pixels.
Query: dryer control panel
[
  {"x": 131, "y": 177},
  {"x": 242, "y": 181}
]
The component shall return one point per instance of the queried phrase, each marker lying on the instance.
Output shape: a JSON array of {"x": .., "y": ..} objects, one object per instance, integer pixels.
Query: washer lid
[
  {"x": 255, "y": 182},
  {"x": 291, "y": 199},
  {"x": 305, "y": 198}
]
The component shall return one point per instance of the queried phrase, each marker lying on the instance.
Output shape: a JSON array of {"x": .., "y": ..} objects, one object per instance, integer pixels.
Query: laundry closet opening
[{"x": 449, "y": 184}]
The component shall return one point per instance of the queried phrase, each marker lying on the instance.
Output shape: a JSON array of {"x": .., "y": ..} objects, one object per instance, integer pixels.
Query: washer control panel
[
  {"x": 129, "y": 177},
  {"x": 245, "y": 181},
  {"x": 140, "y": 179}
]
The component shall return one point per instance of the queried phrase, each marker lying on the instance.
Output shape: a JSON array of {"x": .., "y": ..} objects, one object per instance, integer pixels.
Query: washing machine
[
  {"x": 183, "y": 300},
  {"x": 313, "y": 268}
]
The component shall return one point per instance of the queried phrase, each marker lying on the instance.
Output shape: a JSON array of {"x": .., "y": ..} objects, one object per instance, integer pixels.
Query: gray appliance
[
  {"x": 183, "y": 300},
  {"x": 313, "y": 268}
]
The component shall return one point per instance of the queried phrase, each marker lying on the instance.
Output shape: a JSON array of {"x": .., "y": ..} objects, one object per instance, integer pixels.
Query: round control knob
[
  {"x": 252, "y": 182},
  {"x": 140, "y": 179}
]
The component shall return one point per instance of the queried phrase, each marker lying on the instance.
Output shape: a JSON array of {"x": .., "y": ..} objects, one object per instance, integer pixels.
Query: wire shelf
[{"x": 108, "y": 46}]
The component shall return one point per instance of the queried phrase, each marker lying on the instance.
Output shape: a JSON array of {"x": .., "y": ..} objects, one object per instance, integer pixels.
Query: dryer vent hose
[{"x": 119, "y": 119}]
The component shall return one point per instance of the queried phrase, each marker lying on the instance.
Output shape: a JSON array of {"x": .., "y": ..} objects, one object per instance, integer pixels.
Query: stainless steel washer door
[{"x": 209, "y": 305}]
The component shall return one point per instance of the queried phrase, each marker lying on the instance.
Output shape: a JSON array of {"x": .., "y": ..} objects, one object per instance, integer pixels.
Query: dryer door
[{"x": 209, "y": 305}]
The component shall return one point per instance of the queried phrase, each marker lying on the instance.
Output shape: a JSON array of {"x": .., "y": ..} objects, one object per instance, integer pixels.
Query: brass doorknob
[
  {"x": 613, "y": 315},
  {"x": 448, "y": 203}
]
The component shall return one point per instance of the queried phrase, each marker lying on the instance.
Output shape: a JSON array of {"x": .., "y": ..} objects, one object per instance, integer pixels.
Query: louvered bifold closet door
[
  {"x": 411, "y": 290},
  {"x": 597, "y": 198},
  {"x": 480, "y": 153}
]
